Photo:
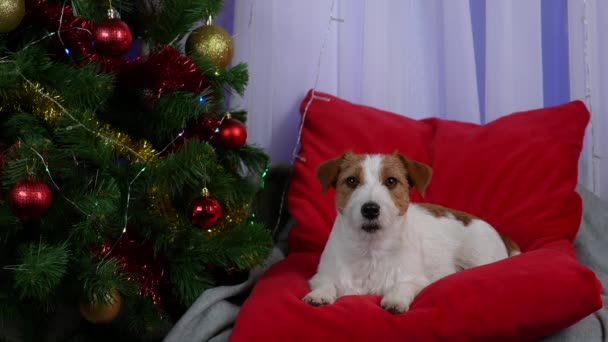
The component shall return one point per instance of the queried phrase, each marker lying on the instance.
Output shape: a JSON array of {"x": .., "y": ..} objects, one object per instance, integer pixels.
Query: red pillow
[{"x": 518, "y": 172}]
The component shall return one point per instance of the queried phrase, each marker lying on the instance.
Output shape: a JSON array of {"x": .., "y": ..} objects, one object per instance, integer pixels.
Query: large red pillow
[{"x": 518, "y": 172}]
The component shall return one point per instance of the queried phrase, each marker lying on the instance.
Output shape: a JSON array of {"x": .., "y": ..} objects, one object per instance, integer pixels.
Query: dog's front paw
[
  {"x": 394, "y": 305},
  {"x": 319, "y": 297}
]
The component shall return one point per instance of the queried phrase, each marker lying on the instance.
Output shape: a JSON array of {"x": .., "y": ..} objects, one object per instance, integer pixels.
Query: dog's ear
[
  {"x": 418, "y": 174},
  {"x": 327, "y": 172}
]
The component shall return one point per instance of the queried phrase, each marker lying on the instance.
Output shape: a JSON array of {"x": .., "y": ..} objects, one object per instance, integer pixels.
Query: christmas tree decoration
[
  {"x": 211, "y": 42},
  {"x": 201, "y": 129},
  {"x": 33, "y": 98},
  {"x": 102, "y": 311},
  {"x": 205, "y": 211},
  {"x": 11, "y": 14},
  {"x": 112, "y": 35},
  {"x": 29, "y": 199},
  {"x": 122, "y": 211},
  {"x": 137, "y": 261},
  {"x": 231, "y": 134},
  {"x": 163, "y": 71},
  {"x": 231, "y": 217},
  {"x": 159, "y": 204}
]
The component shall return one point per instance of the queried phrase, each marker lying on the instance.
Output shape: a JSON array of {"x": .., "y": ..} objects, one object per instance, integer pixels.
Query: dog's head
[{"x": 372, "y": 191}]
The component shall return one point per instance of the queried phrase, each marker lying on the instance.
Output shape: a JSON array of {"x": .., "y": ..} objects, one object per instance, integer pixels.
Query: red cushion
[{"x": 518, "y": 173}]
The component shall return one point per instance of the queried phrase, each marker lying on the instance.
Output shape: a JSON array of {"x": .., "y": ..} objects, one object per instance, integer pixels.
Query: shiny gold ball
[
  {"x": 103, "y": 311},
  {"x": 212, "y": 42},
  {"x": 11, "y": 13}
]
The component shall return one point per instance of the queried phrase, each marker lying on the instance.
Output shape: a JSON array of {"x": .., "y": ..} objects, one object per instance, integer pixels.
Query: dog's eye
[
  {"x": 352, "y": 182},
  {"x": 391, "y": 182}
]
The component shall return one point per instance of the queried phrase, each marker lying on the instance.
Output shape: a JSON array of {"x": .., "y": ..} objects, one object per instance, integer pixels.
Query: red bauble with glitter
[
  {"x": 205, "y": 212},
  {"x": 112, "y": 37},
  {"x": 231, "y": 134},
  {"x": 29, "y": 199}
]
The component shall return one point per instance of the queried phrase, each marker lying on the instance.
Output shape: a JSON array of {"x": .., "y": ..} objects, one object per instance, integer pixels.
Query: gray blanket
[{"x": 212, "y": 315}]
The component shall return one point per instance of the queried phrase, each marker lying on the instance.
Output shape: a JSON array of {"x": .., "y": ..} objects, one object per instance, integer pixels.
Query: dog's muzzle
[{"x": 370, "y": 211}]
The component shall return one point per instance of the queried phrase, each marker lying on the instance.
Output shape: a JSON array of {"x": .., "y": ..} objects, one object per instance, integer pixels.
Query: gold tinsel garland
[
  {"x": 231, "y": 217},
  {"x": 160, "y": 205},
  {"x": 33, "y": 98}
]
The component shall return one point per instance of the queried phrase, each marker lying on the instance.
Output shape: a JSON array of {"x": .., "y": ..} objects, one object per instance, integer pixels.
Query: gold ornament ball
[
  {"x": 102, "y": 312},
  {"x": 11, "y": 13},
  {"x": 212, "y": 42}
]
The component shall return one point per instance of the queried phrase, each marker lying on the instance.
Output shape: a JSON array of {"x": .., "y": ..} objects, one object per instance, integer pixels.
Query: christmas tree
[{"x": 127, "y": 183}]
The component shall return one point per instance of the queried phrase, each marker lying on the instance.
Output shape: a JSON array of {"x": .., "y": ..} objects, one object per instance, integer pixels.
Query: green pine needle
[
  {"x": 41, "y": 269},
  {"x": 188, "y": 283},
  {"x": 179, "y": 16}
]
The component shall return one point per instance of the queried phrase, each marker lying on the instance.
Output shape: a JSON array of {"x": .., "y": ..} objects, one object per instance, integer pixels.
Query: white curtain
[{"x": 468, "y": 60}]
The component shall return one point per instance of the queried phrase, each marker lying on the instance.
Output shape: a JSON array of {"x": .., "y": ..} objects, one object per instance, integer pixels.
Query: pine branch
[
  {"x": 230, "y": 187},
  {"x": 97, "y": 10},
  {"x": 179, "y": 16},
  {"x": 7, "y": 220},
  {"x": 100, "y": 278},
  {"x": 22, "y": 125},
  {"x": 9, "y": 308},
  {"x": 189, "y": 168},
  {"x": 188, "y": 282},
  {"x": 254, "y": 158},
  {"x": 81, "y": 89},
  {"x": 87, "y": 146},
  {"x": 40, "y": 271},
  {"x": 236, "y": 77},
  {"x": 147, "y": 318},
  {"x": 243, "y": 246},
  {"x": 30, "y": 62},
  {"x": 172, "y": 112}
]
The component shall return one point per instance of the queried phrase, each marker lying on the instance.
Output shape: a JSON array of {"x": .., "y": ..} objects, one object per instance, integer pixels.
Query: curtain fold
[{"x": 466, "y": 60}]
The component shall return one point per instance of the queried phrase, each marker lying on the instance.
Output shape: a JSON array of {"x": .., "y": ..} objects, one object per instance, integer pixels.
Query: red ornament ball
[
  {"x": 231, "y": 135},
  {"x": 112, "y": 37},
  {"x": 29, "y": 200},
  {"x": 205, "y": 212}
]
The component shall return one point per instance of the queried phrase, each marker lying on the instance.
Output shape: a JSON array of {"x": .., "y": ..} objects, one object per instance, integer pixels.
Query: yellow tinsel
[
  {"x": 160, "y": 205},
  {"x": 231, "y": 217},
  {"x": 33, "y": 98},
  {"x": 126, "y": 146}
]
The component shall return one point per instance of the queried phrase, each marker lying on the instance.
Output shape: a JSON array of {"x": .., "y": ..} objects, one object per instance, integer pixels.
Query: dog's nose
[{"x": 370, "y": 210}]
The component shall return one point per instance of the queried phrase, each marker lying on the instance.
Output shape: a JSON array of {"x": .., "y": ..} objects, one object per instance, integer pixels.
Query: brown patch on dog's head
[
  {"x": 344, "y": 173},
  {"x": 439, "y": 211},
  {"x": 394, "y": 177},
  {"x": 418, "y": 174}
]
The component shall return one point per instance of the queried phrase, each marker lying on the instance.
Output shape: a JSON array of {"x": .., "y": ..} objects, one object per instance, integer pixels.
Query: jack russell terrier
[{"x": 382, "y": 244}]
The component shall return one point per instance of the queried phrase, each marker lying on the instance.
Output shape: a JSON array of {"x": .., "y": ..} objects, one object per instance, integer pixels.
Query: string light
[
  {"x": 48, "y": 172},
  {"x": 79, "y": 124},
  {"x": 588, "y": 101}
]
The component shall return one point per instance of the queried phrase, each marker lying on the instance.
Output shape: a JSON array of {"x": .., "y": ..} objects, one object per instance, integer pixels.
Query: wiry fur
[{"x": 407, "y": 250}]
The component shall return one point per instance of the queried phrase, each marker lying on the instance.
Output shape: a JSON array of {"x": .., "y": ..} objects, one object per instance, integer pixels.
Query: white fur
[{"x": 407, "y": 252}]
